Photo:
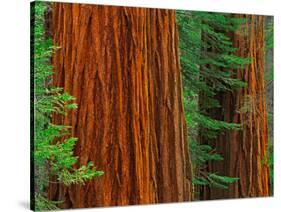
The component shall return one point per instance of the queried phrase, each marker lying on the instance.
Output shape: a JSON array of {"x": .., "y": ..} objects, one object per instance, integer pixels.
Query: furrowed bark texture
[
  {"x": 122, "y": 65},
  {"x": 244, "y": 151}
]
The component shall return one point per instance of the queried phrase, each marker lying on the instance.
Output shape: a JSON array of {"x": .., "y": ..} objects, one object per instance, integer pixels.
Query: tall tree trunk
[
  {"x": 244, "y": 151},
  {"x": 122, "y": 65}
]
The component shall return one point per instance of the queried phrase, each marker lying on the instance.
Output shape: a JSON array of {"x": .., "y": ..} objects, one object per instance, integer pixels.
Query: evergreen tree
[
  {"x": 244, "y": 151},
  {"x": 207, "y": 60},
  {"x": 52, "y": 147},
  {"x": 122, "y": 65}
]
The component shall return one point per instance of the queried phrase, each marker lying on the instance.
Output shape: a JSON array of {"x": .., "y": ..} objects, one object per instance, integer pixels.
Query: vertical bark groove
[{"x": 122, "y": 65}]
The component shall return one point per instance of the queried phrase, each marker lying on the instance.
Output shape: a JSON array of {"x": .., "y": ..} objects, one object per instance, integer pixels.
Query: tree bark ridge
[{"x": 122, "y": 65}]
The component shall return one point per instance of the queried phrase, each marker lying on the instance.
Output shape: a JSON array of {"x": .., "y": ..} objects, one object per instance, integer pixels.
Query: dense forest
[{"x": 142, "y": 106}]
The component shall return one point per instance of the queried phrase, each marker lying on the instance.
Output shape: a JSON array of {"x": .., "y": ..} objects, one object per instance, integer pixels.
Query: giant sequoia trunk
[
  {"x": 122, "y": 65},
  {"x": 244, "y": 151}
]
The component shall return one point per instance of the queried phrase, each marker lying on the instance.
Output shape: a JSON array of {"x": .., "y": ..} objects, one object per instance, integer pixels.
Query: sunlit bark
[{"x": 122, "y": 65}]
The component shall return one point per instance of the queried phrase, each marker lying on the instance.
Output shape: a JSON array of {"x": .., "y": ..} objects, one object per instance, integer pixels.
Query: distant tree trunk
[
  {"x": 244, "y": 151},
  {"x": 122, "y": 65}
]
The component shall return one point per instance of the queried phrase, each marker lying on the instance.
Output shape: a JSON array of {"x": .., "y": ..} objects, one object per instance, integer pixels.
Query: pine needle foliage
[
  {"x": 52, "y": 150},
  {"x": 207, "y": 61}
]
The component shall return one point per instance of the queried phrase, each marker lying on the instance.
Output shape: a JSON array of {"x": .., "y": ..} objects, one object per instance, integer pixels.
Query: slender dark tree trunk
[
  {"x": 122, "y": 65},
  {"x": 244, "y": 151}
]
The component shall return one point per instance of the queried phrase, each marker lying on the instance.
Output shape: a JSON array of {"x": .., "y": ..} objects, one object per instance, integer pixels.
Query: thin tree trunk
[
  {"x": 244, "y": 151},
  {"x": 122, "y": 65}
]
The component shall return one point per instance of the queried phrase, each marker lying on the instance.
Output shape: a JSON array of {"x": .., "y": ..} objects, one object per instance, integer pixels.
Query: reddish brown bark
[
  {"x": 244, "y": 151},
  {"x": 122, "y": 65}
]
